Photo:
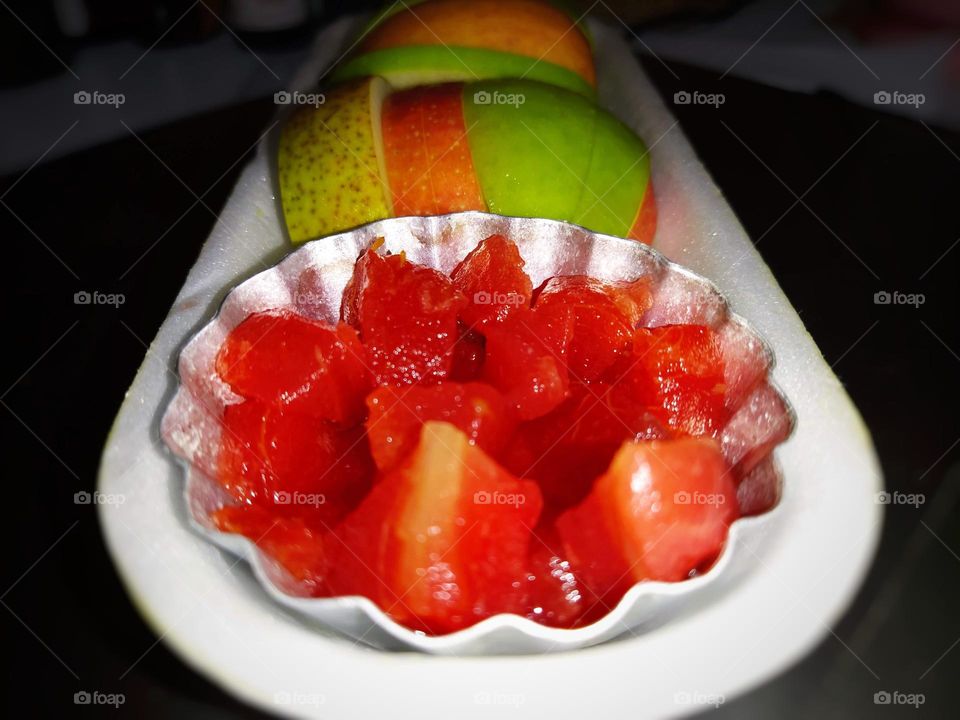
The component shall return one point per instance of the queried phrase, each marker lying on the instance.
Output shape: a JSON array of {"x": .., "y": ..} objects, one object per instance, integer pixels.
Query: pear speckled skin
[{"x": 329, "y": 162}]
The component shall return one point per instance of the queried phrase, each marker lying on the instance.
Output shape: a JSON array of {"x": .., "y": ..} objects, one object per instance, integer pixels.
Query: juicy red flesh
[
  {"x": 406, "y": 315},
  {"x": 292, "y": 463},
  {"x": 526, "y": 358},
  {"x": 397, "y": 414},
  {"x": 605, "y": 316},
  {"x": 282, "y": 358},
  {"x": 492, "y": 279},
  {"x": 679, "y": 370},
  {"x": 452, "y": 450},
  {"x": 660, "y": 512}
]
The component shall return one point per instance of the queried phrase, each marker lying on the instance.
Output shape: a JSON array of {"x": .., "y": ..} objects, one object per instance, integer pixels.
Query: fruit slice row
[
  {"x": 513, "y": 147},
  {"x": 442, "y": 40}
]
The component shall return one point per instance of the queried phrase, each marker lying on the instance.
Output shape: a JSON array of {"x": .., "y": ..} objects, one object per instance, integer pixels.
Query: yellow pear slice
[{"x": 330, "y": 162}]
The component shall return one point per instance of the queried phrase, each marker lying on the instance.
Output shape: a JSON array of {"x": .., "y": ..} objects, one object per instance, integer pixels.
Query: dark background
[{"x": 885, "y": 217}]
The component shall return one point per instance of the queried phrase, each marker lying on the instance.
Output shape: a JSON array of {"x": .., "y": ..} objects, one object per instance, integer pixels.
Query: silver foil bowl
[{"x": 310, "y": 281}]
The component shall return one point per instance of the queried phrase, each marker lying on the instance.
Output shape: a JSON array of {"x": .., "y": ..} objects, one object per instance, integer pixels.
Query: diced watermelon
[
  {"x": 605, "y": 315},
  {"x": 526, "y": 359},
  {"x": 660, "y": 512},
  {"x": 492, "y": 279},
  {"x": 397, "y": 414},
  {"x": 555, "y": 595},
  {"x": 292, "y": 463},
  {"x": 296, "y": 544},
  {"x": 314, "y": 368},
  {"x": 407, "y": 318},
  {"x": 441, "y": 542},
  {"x": 678, "y": 369},
  {"x": 565, "y": 450},
  {"x": 468, "y": 355}
]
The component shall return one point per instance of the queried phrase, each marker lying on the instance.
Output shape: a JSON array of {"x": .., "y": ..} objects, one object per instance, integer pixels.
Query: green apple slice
[
  {"x": 426, "y": 64},
  {"x": 616, "y": 180},
  {"x": 531, "y": 145}
]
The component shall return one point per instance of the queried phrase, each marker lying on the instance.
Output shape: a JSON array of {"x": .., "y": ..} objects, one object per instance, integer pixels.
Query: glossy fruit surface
[
  {"x": 461, "y": 446},
  {"x": 313, "y": 368},
  {"x": 406, "y": 315},
  {"x": 660, "y": 512}
]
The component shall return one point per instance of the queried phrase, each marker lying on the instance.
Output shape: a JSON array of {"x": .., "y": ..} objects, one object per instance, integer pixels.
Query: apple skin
[
  {"x": 330, "y": 162},
  {"x": 427, "y": 64},
  {"x": 530, "y": 156},
  {"x": 513, "y": 147},
  {"x": 447, "y": 40},
  {"x": 429, "y": 167},
  {"x": 616, "y": 181},
  {"x": 645, "y": 225},
  {"x": 554, "y": 154}
]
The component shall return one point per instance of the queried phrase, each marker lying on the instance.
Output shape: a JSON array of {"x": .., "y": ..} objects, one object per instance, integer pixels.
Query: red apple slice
[{"x": 429, "y": 167}]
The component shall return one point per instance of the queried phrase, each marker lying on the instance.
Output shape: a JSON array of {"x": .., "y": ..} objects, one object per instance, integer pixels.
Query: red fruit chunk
[
  {"x": 468, "y": 356},
  {"x": 660, "y": 512},
  {"x": 441, "y": 543},
  {"x": 555, "y": 596},
  {"x": 492, "y": 279},
  {"x": 407, "y": 317},
  {"x": 297, "y": 545},
  {"x": 569, "y": 447},
  {"x": 679, "y": 369},
  {"x": 526, "y": 359},
  {"x": 605, "y": 315},
  {"x": 397, "y": 414},
  {"x": 762, "y": 422},
  {"x": 291, "y": 463},
  {"x": 311, "y": 367}
]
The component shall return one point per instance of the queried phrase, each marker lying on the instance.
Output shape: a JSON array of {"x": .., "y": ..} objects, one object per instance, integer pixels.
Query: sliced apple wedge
[
  {"x": 444, "y": 40},
  {"x": 330, "y": 162},
  {"x": 427, "y": 156}
]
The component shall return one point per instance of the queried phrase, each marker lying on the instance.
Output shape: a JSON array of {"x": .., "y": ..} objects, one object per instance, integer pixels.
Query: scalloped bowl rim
[{"x": 561, "y": 638}]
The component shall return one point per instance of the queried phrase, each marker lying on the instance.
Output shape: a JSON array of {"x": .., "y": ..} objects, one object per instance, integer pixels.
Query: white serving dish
[
  {"x": 310, "y": 282},
  {"x": 809, "y": 563}
]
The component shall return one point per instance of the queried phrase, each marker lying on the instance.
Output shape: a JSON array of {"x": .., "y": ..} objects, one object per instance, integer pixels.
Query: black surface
[{"x": 891, "y": 200}]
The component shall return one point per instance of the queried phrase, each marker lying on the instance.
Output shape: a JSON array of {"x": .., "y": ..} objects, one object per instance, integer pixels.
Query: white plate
[{"x": 207, "y": 606}]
